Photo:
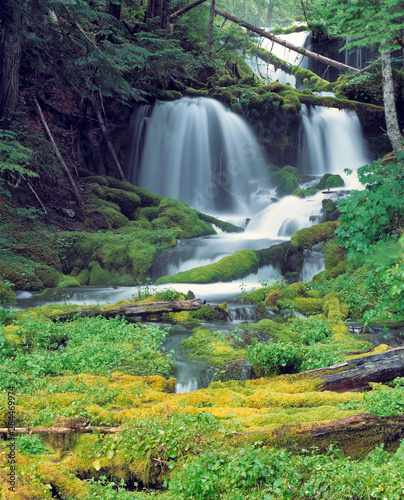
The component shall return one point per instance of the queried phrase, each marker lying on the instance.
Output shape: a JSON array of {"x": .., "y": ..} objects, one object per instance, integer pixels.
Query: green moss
[
  {"x": 307, "y": 237},
  {"x": 334, "y": 308},
  {"x": 328, "y": 274},
  {"x": 227, "y": 227},
  {"x": 68, "y": 281},
  {"x": 26, "y": 274},
  {"x": 306, "y": 306},
  {"x": 237, "y": 265},
  {"x": 333, "y": 254},
  {"x": 7, "y": 296},
  {"x": 114, "y": 218},
  {"x": 84, "y": 277},
  {"x": 300, "y": 193},
  {"x": 174, "y": 213},
  {"x": 329, "y": 181}
]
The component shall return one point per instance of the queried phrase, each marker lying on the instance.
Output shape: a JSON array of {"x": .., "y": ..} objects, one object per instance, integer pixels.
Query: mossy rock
[
  {"x": 68, "y": 281},
  {"x": 307, "y": 306},
  {"x": 334, "y": 308},
  {"x": 332, "y": 273},
  {"x": 235, "y": 266},
  {"x": 26, "y": 274},
  {"x": 300, "y": 193},
  {"x": 271, "y": 300},
  {"x": 309, "y": 236},
  {"x": 176, "y": 214},
  {"x": 329, "y": 208},
  {"x": 333, "y": 254},
  {"x": 7, "y": 296}
]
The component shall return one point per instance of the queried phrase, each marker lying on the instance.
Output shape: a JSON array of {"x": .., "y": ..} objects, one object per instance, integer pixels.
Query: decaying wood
[
  {"x": 60, "y": 430},
  {"x": 356, "y": 374},
  {"x": 134, "y": 309},
  {"x": 182, "y": 11},
  {"x": 288, "y": 45},
  {"x": 65, "y": 168},
  {"x": 354, "y": 434}
]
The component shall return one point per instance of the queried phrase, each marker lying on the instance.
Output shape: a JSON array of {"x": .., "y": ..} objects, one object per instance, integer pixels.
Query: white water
[
  {"x": 331, "y": 141},
  {"x": 267, "y": 71},
  {"x": 199, "y": 152}
]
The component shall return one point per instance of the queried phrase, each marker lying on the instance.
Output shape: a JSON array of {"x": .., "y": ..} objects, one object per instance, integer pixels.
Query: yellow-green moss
[
  {"x": 307, "y": 237},
  {"x": 237, "y": 265}
]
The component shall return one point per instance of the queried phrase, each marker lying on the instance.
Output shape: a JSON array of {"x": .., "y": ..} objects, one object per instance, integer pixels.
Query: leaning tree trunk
[
  {"x": 10, "y": 59},
  {"x": 113, "y": 9},
  {"x": 390, "y": 112},
  {"x": 285, "y": 43}
]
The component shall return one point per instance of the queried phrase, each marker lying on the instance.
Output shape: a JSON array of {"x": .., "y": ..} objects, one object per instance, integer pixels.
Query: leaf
[{"x": 97, "y": 465}]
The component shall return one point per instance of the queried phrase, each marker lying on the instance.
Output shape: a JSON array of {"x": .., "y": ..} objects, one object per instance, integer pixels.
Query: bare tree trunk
[
  {"x": 210, "y": 29},
  {"x": 390, "y": 112},
  {"x": 153, "y": 10},
  {"x": 276, "y": 39},
  {"x": 65, "y": 168},
  {"x": 113, "y": 9},
  {"x": 10, "y": 59},
  {"x": 165, "y": 15},
  {"x": 107, "y": 137}
]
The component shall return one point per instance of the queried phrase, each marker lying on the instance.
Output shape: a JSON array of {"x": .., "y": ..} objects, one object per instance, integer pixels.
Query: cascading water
[
  {"x": 199, "y": 152},
  {"x": 260, "y": 68},
  {"x": 331, "y": 140}
]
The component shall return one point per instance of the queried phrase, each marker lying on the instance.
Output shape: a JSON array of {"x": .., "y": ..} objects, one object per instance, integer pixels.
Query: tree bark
[
  {"x": 10, "y": 59},
  {"x": 390, "y": 112},
  {"x": 182, "y": 11},
  {"x": 356, "y": 374},
  {"x": 153, "y": 10},
  {"x": 290, "y": 46},
  {"x": 113, "y": 9},
  {"x": 210, "y": 29},
  {"x": 65, "y": 168},
  {"x": 107, "y": 137},
  {"x": 134, "y": 309},
  {"x": 165, "y": 15}
]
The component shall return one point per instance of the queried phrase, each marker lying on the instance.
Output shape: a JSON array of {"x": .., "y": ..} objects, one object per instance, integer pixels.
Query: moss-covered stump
[{"x": 229, "y": 268}]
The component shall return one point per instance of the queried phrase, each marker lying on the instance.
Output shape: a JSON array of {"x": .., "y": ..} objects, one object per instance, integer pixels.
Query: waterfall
[
  {"x": 137, "y": 133},
  {"x": 199, "y": 152},
  {"x": 331, "y": 140},
  {"x": 261, "y": 68}
]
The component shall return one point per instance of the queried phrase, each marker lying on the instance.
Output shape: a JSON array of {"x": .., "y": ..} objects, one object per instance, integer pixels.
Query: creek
[{"x": 208, "y": 157}]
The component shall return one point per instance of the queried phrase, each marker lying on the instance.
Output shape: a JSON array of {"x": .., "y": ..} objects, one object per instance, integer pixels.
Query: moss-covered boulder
[
  {"x": 309, "y": 236},
  {"x": 235, "y": 266},
  {"x": 329, "y": 181},
  {"x": 7, "y": 296}
]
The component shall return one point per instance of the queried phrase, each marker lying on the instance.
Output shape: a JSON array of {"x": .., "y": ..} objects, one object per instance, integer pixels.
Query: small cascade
[
  {"x": 262, "y": 69},
  {"x": 199, "y": 152},
  {"x": 242, "y": 312},
  {"x": 313, "y": 263},
  {"x": 331, "y": 140}
]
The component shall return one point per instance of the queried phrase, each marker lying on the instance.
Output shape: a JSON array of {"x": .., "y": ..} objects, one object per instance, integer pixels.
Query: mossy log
[
  {"x": 61, "y": 430},
  {"x": 356, "y": 435},
  {"x": 280, "y": 41},
  {"x": 356, "y": 374},
  {"x": 134, "y": 309}
]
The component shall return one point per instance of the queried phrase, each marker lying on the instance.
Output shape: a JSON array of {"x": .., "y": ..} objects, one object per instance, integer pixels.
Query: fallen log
[
  {"x": 182, "y": 11},
  {"x": 356, "y": 374},
  {"x": 355, "y": 435},
  {"x": 60, "y": 430},
  {"x": 133, "y": 309},
  {"x": 288, "y": 45}
]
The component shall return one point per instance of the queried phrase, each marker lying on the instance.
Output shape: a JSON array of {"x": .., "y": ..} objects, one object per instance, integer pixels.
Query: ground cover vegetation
[{"x": 88, "y": 64}]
